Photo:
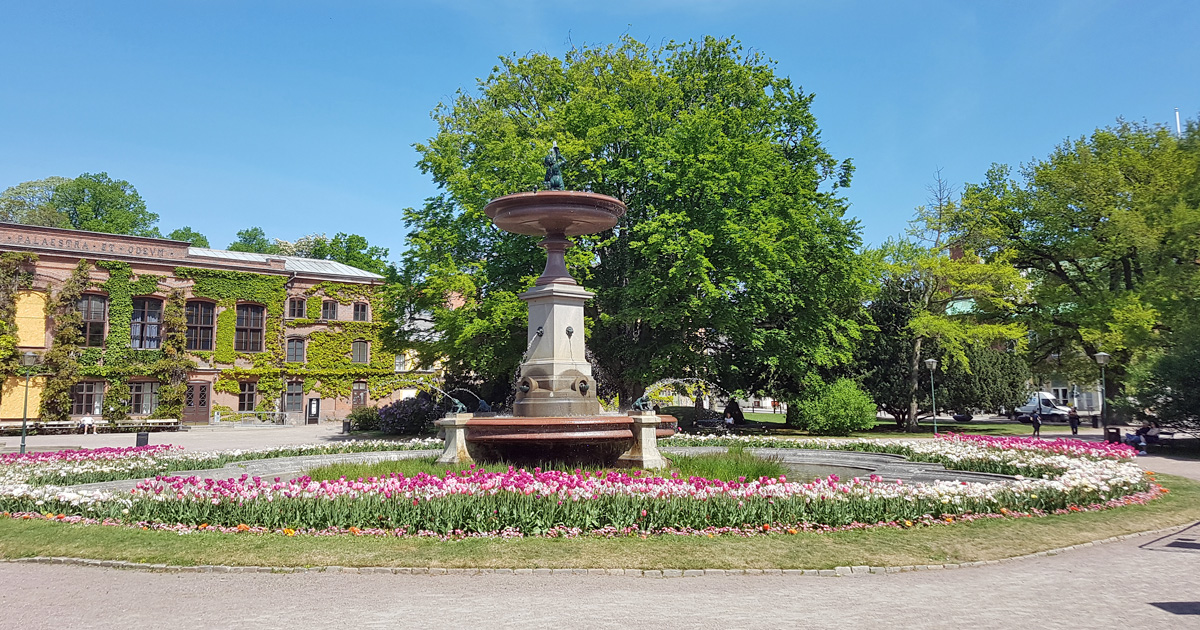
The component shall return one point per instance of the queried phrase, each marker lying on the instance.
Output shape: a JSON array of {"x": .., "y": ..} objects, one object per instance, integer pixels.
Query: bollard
[
  {"x": 345, "y": 427},
  {"x": 143, "y": 439}
]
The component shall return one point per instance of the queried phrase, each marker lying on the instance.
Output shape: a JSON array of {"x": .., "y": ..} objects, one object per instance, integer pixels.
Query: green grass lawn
[
  {"x": 725, "y": 466},
  {"x": 886, "y": 428},
  {"x": 988, "y": 539}
]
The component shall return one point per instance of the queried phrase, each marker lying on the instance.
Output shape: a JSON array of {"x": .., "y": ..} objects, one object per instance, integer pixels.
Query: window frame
[
  {"x": 244, "y": 332},
  {"x": 365, "y": 309},
  {"x": 141, "y": 341},
  {"x": 192, "y": 330},
  {"x": 325, "y": 306},
  {"x": 247, "y": 388},
  {"x": 87, "y": 328},
  {"x": 303, "y": 343},
  {"x": 95, "y": 404},
  {"x": 355, "y": 389},
  {"x": 138, "y": 396},
  {"x": 366, "y": 346},
  {"x": 292, "y": 310},
  {"x": 293, "y": 401}
]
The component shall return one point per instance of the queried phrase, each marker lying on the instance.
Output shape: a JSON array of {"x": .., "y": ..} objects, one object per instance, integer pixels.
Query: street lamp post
[
  {"x": 932, "y": 365},
  {"x": 28, "y": 361},
  {"x": 1103, "y": 358}
]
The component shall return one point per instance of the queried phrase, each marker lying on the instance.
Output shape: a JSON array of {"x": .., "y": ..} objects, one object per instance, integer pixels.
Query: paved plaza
[{"x": 1144, "y": 582}]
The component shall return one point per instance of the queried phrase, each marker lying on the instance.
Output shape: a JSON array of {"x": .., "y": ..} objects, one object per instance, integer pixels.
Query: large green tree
[
  {"x": 945, "y": 294},
  {"x": 353, "y": 250},
  {"x": 30, "y": 203},
  {"x": 1107, "y": 228},
  {"x": 98, "y": 203},
  {"x": 189, "y": 235},
  {"x": 734, "y": 262},
  {"x": 253, "y": 240}
]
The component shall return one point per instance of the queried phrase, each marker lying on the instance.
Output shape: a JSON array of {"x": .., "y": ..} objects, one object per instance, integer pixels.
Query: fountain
[{"x": 556, "y": 415}]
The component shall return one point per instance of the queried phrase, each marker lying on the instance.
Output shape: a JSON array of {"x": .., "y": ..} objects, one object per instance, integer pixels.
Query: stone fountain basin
[
  {"x": 565, "y": 212},
  {"x": 581, "y": 429}
]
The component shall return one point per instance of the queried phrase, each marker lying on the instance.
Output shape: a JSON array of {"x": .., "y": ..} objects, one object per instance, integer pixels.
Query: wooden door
[{"x": 196, "y": 403}]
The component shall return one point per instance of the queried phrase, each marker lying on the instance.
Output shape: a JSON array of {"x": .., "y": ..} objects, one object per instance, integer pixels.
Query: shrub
[
  {"x": 411, "y": 416},
  {"x": 687, "y": 416},
  {"x": 837, "y": 409},
  {"x": 364, "y": 419}
]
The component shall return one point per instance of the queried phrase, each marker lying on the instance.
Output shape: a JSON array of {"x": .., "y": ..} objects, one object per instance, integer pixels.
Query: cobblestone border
[{"x": 644, "y": 573}]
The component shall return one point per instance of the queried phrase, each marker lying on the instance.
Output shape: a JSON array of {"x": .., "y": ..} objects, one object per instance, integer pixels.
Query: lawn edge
[{"x": 643, "y": 573}]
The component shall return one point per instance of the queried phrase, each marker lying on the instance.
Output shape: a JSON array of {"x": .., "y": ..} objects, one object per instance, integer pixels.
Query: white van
[{"x": 1045, "y": 404}]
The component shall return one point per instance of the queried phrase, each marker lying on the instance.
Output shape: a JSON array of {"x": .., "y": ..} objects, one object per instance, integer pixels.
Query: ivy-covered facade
[{"x": 133, "y": 327}]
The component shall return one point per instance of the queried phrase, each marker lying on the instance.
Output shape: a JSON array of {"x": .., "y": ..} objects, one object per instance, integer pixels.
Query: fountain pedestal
[{"x": 556, "y": 379}]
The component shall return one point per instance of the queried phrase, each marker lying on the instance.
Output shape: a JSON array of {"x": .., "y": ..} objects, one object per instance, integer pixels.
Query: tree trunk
[{"x": 914, "y": 376}]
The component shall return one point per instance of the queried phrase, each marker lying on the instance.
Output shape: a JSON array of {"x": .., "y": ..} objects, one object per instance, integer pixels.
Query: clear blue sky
[{"x": 300, "y": 116}]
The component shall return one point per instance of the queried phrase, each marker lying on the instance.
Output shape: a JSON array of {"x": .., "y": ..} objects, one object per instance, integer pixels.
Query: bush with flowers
[{"x": 1061, "y": 476}]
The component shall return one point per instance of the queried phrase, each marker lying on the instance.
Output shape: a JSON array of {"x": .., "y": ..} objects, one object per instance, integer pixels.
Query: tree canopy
[
  {"x": 253, "y": 240},
  {"x": 353, "y": 250},
  {"x": 189, "y": 235},
  {"x": 734, "y": 262},
  {"x": 30, "y": 203},
  {"x": 97, "y": 203},
  {"x": 1107, "y": 229}
]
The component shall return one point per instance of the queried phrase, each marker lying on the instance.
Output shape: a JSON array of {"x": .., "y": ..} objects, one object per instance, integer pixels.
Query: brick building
[{"x": 266, "y": 333}]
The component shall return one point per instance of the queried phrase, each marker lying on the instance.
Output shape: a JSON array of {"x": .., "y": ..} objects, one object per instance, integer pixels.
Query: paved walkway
[{"x": 1139, "y": 583}]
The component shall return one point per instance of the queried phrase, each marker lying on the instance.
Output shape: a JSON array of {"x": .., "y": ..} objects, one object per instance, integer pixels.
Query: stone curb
[{"x": 647, "y": 573}]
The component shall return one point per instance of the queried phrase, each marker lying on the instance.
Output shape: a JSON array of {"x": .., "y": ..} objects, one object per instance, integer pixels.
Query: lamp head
[
  {"x": 931, "y": 363},
  {"x": 1102, "y": 358},
  {"x": 30, "y": 358}
]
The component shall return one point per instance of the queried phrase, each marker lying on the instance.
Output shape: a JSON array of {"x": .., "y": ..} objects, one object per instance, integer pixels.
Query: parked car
[{"x": 1045, "y": 404}]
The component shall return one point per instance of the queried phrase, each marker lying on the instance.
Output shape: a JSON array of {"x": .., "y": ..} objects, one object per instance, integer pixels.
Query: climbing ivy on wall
[
  {"x": 60, "y": 362},
  {"x": 172, "y": 369},
  {"x": 16, "y": 274}
]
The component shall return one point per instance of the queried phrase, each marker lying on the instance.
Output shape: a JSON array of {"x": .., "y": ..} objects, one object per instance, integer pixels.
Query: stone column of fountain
[{"x": 556, "y": 413}]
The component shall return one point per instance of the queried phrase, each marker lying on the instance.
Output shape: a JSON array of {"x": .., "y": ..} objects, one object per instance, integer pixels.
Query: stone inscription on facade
[{"x": 77, "y": 245}]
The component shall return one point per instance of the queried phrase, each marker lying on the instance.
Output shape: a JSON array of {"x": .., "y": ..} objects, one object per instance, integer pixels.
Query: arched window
[
  {"x": 93, "y": 308},
  {"x": 248, "y": 333},
  {"x": 360, "y": 352},
  {"x": 146, "y": 327},
  {"x": 361, "y": 314},
  {"x": 200, "y": 319}
]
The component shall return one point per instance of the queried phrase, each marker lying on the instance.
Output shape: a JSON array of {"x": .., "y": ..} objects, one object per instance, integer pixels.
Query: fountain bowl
[
  {"x": 555, "y": 212},
  {"x": 591, "y": 440}
]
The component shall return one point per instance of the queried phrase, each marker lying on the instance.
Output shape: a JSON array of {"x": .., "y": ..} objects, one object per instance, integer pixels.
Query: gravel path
[{"x": 1138, "y": 583}]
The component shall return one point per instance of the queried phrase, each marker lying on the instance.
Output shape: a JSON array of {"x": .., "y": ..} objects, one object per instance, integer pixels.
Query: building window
[
  {"x": 87, "y": 398},
  {"x": 360, "y": 352},
  {"x": 329, "y": 310},
  {"x": 248, "y": 335},
  {"x": 295, "y": 351},
  {"x": 296, "y": 308},
  {"x": 92, "y": 307},
  {"x": 246, "y": 395},
  {"x": 358, "y": 395},
  {"x": 293, "y": 397},
  {"x": 145, "y": 329},
  {"x": 360, "y": 313},
  {"x": 145, "y": 397},
  {"x": 200, "y": 325}
]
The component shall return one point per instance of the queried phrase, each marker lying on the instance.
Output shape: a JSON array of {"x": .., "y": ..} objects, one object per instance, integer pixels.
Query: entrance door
[
  {"x": 196, "y": 404},
  {"x": 358, "y": 395}
]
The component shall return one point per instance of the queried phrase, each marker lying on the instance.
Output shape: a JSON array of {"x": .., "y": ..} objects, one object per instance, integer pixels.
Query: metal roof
[{"x": 307, "y": 266}]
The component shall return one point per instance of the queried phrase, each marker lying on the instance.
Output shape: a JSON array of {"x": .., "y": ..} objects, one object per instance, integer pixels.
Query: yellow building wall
[
  {"x": 31, "y": 319},
  {"x": 12, "y": 397}
]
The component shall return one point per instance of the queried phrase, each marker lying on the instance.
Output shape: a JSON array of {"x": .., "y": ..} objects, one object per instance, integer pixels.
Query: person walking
[
  {"x": 1036, "y": 420},
  {"x": 1073, "y": 420}
]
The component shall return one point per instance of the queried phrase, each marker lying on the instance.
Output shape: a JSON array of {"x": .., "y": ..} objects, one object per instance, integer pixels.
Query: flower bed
[
  {"x": 68, "y": 468},
  {"x": 1059, "y": 476}
]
